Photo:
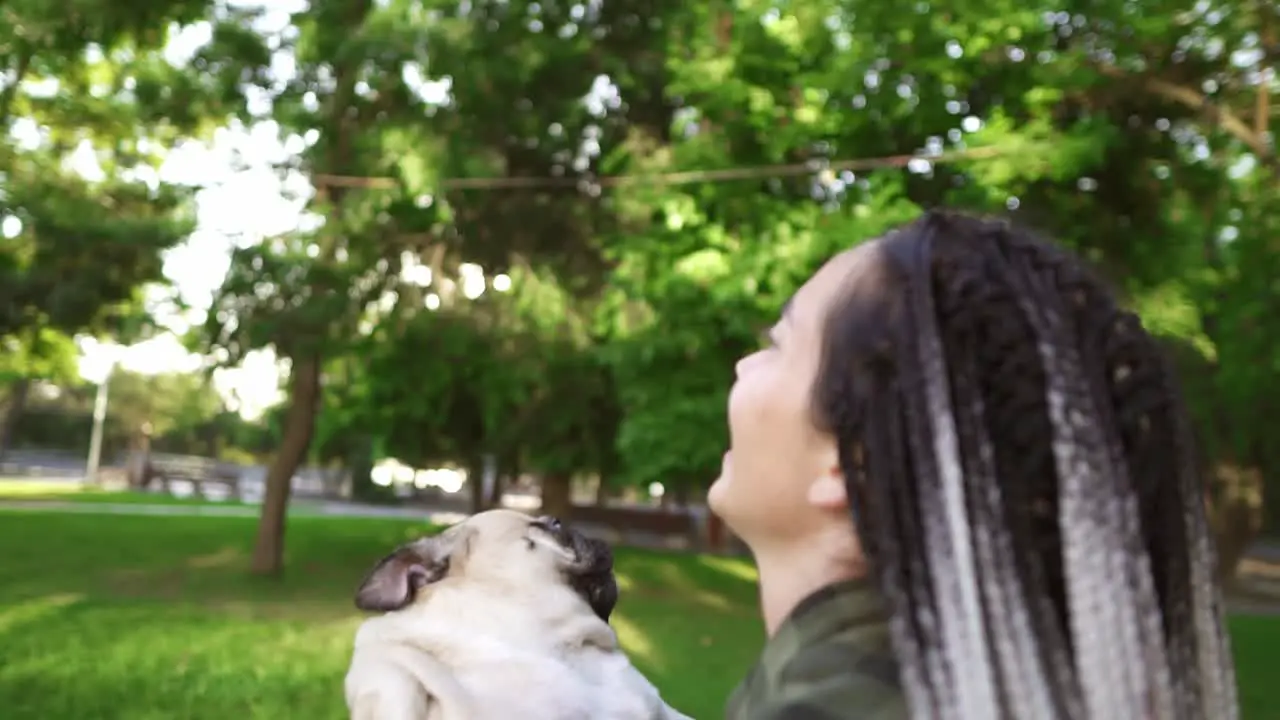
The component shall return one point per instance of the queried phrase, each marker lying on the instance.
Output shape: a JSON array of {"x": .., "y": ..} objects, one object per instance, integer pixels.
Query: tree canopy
[{"x": 544, "y": 231}]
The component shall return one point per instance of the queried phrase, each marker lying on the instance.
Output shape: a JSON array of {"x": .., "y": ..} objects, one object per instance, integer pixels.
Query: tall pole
[{"x": 99, "y": 417}]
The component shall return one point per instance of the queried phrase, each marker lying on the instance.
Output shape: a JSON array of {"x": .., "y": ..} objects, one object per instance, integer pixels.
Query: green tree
[
  {"x": 78, "y": 251},
  {"x": 36, "y": 354},
  {"x": 759, "y": 139},
  {"x": 514, "y": 375},
  {"x": 306, "y": 294},
  {"x": 1125, "y": 138},
  {"x": 183, "y": 413}
]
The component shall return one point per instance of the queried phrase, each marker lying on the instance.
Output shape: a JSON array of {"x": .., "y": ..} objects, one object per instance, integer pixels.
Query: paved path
[{"x": 326, "y": 509}]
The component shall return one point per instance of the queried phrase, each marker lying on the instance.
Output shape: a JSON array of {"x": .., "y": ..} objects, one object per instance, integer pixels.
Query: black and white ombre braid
[{"x": 1024, "y": 483}]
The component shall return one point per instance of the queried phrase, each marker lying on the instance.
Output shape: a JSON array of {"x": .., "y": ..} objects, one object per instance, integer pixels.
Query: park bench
[{"x": 163, "y": 471}]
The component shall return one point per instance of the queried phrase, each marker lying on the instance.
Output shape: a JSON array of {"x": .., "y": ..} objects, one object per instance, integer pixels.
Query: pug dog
[{"x": 499, "y": 617}]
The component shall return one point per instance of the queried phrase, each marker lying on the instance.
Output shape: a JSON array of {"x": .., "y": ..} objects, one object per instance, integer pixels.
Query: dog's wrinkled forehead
[{"x": 495, "y": 524}]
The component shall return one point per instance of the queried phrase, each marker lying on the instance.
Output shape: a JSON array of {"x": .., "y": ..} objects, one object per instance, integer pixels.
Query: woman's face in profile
[{"x": 777, "y": 456}]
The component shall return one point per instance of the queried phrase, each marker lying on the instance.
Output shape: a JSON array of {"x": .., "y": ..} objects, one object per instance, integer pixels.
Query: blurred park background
[{"x": 285, "y": 283}]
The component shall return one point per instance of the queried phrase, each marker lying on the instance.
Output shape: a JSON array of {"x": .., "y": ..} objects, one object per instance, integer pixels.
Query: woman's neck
[{"x": 788, "y": 577}]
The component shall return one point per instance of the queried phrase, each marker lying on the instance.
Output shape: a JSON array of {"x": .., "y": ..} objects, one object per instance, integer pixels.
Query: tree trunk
[
  {"x": 556, "y": 498},
  {"x": 475, "y": 482},
  {"x": 602, "y": 491},
  {"x": 716, "y": 536},
  {"x": 509, "y": 472},
  {"x": 1235, "y": 512},
  {"x": 14, "y": 407},
  {"x": 299, "y": 424},
  {"x": 680, "y": 494},
  {"x": 361, "y": 461},
  {"x": 495, "y": 493},
  {"x": 1267, "y": 460},
  {"x": 140, "y": 461},
  {"x": 1236, "y": 516}
]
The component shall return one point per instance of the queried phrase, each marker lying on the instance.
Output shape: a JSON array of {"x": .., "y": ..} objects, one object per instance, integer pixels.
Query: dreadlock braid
[
  {"x": 1020, "y": 473},
  {"x": 981, "y": 329},
  {"x": 1103, "y": 612},
  {"x": 895, "y": 535},
  {"x": 932, "y": 437},
  {"x": 1095, "y": 318},
  {"x": 1172, "y": 513}
]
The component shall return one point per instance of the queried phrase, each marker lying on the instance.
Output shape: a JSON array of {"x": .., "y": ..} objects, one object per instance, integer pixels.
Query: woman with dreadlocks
[{"x": 1028, "y": 535}]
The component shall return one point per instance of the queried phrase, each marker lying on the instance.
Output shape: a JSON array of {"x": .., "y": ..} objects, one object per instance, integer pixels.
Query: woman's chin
[{"x": 716, "y": 493}]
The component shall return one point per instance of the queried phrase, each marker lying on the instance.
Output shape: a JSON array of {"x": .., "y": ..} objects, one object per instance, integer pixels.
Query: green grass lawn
[
  {"x": 108, "y": 617},
  {"x": 128, "y": 617}
]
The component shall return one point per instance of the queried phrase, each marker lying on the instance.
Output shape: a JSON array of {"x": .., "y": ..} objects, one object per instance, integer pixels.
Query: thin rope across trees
[
  {"x": 690, "y": 177},
  {"x": 1214, "y": 116}
]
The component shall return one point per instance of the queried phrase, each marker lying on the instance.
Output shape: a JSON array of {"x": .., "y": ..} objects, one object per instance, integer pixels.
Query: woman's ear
[{"x": 827, "y": 491}]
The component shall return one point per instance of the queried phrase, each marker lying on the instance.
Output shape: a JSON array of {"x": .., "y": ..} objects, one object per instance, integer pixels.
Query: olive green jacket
[{"x": 829, "y": 660}]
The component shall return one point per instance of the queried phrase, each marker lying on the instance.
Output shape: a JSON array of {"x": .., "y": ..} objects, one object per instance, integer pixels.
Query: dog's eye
[{"x": 530, "y": 544}]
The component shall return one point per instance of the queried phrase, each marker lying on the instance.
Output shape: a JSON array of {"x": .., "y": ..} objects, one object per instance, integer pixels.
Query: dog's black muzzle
[{"x": 591, "y": 571}]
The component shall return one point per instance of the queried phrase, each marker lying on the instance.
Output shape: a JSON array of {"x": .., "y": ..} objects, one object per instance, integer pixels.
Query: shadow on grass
[
  {"x": 80, "y": 658},
  {"x": 721, "y": 584}
]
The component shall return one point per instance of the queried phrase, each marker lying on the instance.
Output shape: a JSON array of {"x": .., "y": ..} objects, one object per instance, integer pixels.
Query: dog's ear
[{"x": 397, "y": 578}]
